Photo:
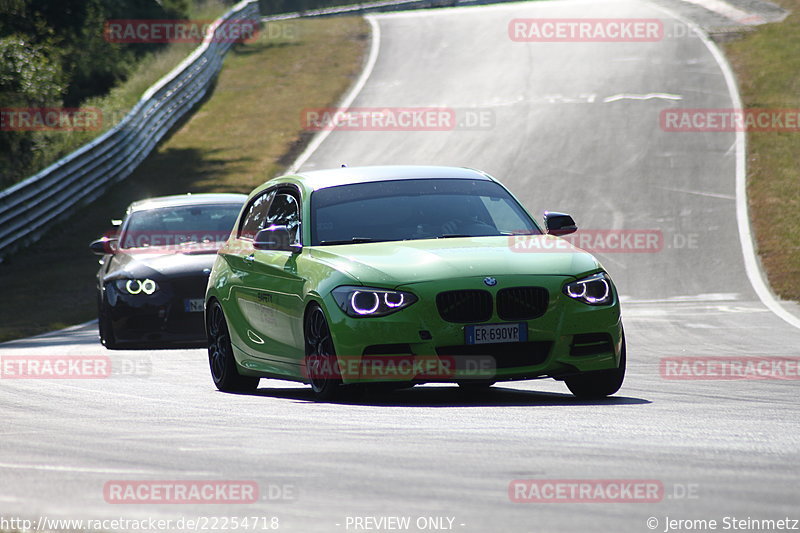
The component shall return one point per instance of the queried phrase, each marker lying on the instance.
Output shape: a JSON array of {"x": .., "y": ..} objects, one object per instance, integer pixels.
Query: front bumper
[
  {"x": 159, "y": 319},
  {"x": 569, "y": 338}
]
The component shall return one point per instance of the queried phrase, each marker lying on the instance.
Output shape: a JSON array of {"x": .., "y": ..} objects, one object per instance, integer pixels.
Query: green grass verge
[
  {"x": 767, "y": 65},
  {"x": 245, "y": 133}
]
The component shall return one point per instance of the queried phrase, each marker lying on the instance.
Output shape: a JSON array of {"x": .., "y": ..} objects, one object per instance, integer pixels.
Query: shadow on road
[{"x": 448, "y": 396}]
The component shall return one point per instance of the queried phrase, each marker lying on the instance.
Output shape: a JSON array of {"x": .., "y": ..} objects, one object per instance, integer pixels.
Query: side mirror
[
  {"x": 103, "y": 246},
  {"x": 559, "y": 223},
  {"x": 275, "y": 238}
]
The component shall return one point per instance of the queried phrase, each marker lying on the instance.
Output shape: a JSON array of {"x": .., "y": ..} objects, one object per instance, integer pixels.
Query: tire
[
  {"x": 105, "y": 328},
  {"x": 599, "y": 384},
  {"x": 322, "y": 366},
  {"x": 220, "y": 354}
]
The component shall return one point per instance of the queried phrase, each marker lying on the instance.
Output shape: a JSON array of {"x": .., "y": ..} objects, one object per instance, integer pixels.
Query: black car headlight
[
  {"x": 136, "y": 286},
  {"x": 593, "y": 290},
  {"x": 367, "y": 301}
]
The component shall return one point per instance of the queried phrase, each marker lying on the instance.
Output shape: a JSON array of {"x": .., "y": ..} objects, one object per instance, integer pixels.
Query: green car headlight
[
  {"x": 594, "y": 290},
  {"x": 137, "y": 286},
  {"x": 367, "y": 301}
]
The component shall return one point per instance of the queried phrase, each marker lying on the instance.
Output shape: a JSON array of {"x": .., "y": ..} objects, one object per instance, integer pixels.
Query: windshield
[
  {"x": 167, "y": 226},
  {"x": 415, "y": 209}
]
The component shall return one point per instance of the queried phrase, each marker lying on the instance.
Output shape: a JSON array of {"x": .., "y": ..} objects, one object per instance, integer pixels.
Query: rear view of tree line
[{"x": 53, "y": 53}]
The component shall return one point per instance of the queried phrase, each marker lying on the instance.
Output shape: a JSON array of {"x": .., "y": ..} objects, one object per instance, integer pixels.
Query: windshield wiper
[
  {"x": 455, "y": 235},
  {"x": 354, "y": 240}
]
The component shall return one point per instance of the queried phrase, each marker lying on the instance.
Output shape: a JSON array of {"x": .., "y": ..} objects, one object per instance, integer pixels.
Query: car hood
[
  {"x": 157, "y": 265},
  {"x": 403, "y": 262}
]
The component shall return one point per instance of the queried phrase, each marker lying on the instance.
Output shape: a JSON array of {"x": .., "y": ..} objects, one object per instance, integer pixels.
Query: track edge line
[{"x": 347, "y": 101}]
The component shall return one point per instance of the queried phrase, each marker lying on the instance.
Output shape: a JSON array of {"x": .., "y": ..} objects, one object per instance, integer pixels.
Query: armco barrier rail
[
  {"x": 378, "y": 6},
  {"x": 29, "y": 207}
]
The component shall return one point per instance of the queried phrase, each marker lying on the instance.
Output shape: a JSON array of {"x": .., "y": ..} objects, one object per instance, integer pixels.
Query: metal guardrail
[
  {"x": 29, "y": 207},
  {"x": 379, "y": 6},
  {"x": 362, "y": 8}
]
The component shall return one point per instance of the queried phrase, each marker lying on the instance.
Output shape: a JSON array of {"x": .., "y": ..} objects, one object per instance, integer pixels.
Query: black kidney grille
[
  {"x": 522, "y": 303},
  {"x": 465, "y": 305}
]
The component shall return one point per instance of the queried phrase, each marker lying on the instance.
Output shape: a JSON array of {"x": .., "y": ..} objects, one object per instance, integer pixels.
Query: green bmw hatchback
[{"x": 402, "y": 275}]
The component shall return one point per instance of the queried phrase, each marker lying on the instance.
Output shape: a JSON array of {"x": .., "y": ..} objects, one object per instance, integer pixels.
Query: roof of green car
[{"x": 320, "y": 179}]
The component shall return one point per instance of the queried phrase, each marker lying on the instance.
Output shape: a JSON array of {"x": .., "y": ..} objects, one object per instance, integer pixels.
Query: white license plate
[
  {"x": 493, "y": 333},
  {"x": 193, "y": 305}
]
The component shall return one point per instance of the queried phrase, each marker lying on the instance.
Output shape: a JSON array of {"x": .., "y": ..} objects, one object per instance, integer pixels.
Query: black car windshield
[
  {"x": 415, "y": 209},
  {"x": 178, "y": 225}
]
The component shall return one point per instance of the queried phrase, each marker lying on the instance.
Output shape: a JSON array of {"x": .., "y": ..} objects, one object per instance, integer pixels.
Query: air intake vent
[{"x": 591, "y": 344}]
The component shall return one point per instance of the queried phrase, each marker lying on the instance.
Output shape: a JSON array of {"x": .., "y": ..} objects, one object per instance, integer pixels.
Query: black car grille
[
  {"x": 465, "y": 305},
  {"x": 514, "y": 303},
  {"x": 505, "y": 354},
  {"x": 522, "y": 303}
]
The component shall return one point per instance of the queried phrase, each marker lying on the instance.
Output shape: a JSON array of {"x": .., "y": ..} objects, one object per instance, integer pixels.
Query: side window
[
  {"x": 256, "y": 216},
  {"x": 285, "y": 211}
]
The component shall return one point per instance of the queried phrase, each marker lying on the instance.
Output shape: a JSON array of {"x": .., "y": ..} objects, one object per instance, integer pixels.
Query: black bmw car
[{"x": 154, "y": 270}]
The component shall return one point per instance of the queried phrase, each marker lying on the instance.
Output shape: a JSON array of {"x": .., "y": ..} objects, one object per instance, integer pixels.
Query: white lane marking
[
  {"x": 751, "y": 264},
  {"x": 648, "y": 96},
  {"x": 706, "y": 297},
  {"x": 91, "y": 470},
  {"x": 700, "y": 193},
  {"x": 690, "y": 310},
  {"x": 729, "y": 11},
  {"x": 345, "y": 104}
]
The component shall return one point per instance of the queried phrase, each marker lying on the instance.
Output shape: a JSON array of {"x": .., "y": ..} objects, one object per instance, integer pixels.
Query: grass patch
[
  {"x": 245, "y": 133},
  {"x": 767, "y": 64}
]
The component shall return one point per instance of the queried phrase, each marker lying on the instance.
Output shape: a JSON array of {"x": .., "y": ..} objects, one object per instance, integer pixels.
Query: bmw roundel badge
[{"x": 490, "y": 281}]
